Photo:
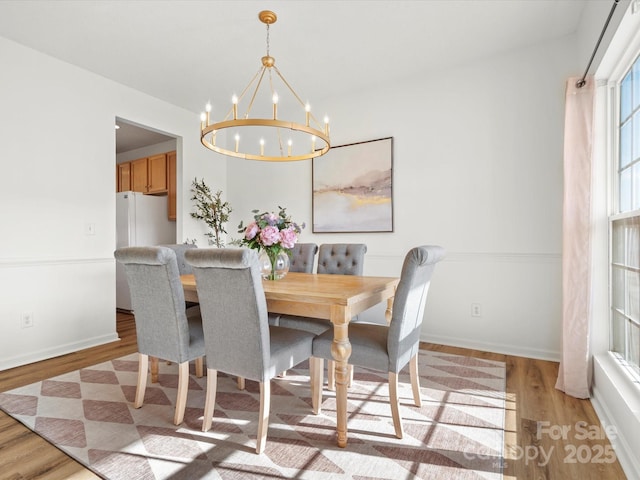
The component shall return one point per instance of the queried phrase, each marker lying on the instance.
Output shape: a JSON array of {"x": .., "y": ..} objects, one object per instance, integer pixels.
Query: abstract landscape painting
[{"x": 352, "y": 188}]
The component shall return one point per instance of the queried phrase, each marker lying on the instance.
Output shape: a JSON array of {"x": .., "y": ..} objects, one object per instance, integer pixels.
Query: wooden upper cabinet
[
  {"x": 123, "y": 172},
  {"x": 157, "y": 173},
  {"x": 139, "y": 175},
  {"x": 147, "y": 175},
  {"x": 171, "y": 185}
]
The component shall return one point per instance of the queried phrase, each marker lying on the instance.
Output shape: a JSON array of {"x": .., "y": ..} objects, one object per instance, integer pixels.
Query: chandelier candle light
[{"x": 271, "y": 130}]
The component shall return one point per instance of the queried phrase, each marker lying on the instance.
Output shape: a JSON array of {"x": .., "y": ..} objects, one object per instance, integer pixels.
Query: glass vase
[{"x": 274, "y": 266}]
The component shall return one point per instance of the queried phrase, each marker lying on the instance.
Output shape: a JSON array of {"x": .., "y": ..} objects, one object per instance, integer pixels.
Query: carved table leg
[{"x": 341, "y": 351}]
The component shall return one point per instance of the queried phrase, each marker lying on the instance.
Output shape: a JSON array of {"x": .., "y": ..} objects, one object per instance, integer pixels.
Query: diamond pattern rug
[{"x": 456, "y": 434}]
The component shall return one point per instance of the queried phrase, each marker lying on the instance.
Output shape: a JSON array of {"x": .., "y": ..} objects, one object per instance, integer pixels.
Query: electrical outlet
[
  {"x": 476, "y": 310},
  {"x": 26, "y": 320}
]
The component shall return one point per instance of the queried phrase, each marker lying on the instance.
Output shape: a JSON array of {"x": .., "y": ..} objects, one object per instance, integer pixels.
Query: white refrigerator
[{"x": 141, "y": 220}]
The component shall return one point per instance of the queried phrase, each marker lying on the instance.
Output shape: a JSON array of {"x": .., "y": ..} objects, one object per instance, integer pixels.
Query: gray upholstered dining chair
[
  {"x": 303, "y": 257},
  {"x": 389, "y": 348},
  {"x": 333, "y": 258},
  {"x": 179, "y": 248},
  {"x": 238, "y": 338},
  {"x": 341, "y": 258},
  {"x": 163, "y": 327},
  {"x": 183, "y": 267}
]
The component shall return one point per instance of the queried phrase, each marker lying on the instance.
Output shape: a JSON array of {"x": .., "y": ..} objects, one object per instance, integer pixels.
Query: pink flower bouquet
[{"x": 272, "y": 234}]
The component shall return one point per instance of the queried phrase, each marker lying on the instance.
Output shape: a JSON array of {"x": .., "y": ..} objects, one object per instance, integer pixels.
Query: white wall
[
  {"x": 478, "y": 170},
  {"x": 58, "y": 176}
]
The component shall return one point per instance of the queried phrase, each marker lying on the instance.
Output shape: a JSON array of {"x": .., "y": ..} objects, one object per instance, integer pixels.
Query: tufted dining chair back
[
  {"x": 303, "y": 257},
  {"x": 341, "y": 258}
]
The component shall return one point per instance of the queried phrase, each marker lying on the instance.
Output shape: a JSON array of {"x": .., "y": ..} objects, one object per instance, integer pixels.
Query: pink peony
[
  {"x": 288, "y": 237},
  {"x": 251, "y": 231},
  {"x": 269, "y": 236}
]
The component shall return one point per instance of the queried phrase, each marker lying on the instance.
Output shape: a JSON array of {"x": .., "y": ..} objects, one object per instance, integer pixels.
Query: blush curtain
[{"x": 574, "y": 377}]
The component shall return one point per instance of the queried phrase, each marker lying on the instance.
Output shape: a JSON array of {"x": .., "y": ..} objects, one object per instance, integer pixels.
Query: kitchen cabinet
[
  {"x": 171, "y": 185},
  {"x": 123, "y": 175},
  {"x": 146, "y": 175},
  {"x": 139, "y": 175},
  {"x": 157, "y": 174}
]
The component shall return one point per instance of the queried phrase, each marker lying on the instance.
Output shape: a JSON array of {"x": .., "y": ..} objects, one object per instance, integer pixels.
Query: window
[{"x": 625, "y": 226}]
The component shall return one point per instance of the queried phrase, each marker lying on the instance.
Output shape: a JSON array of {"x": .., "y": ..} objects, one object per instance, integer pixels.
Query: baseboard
[
  {"x": 493, "y": 347},
  {"x": 58, "y": 351}
]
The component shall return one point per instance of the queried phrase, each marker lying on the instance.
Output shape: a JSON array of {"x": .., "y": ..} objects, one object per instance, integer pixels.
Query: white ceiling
[
  {"x": 131, "y": 137},
  {"x": 188, "y": 52}
]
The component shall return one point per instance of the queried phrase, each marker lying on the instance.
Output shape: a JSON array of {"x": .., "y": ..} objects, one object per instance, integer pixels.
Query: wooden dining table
[{"x": 335, "y": 298}]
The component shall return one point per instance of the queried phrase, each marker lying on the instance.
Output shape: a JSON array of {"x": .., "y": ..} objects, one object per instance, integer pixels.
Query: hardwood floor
[{"x": 533, "y": 450}]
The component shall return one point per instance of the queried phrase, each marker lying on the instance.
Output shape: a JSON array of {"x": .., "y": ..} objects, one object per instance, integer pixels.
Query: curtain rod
[{"x": 580, "y": 83}]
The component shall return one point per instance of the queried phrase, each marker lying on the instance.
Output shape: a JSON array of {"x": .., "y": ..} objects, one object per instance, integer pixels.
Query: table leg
[
  {"x": 341, "y": 351},
  {"x": 154, "y": 369},
  {"x": 389, "y": 311}
]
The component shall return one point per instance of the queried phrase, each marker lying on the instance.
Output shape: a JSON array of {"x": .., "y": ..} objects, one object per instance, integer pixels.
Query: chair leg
[
  {"x": 316, "y": 369},
  {"x": 263, "y": 422},
  {"x": 141, "y": 387},
  {"x": 154, "y": 369},
  {"x": 331, "y": 375},
  {"x": 210, "y": 401},
  {"x": 240, "y": 381},
  {"x": 395, "y": 404},
  {"x": 200, "y": 367},
  {"x": 415, "y": 380},
  {"x": 183, "y": 388}
]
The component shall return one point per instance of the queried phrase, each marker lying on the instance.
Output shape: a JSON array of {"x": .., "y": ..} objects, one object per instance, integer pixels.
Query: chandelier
[{"x": 257, "y": 132}]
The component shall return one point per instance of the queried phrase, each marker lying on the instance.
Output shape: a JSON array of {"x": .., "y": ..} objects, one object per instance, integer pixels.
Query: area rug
[{"x": 456, "y": 434}]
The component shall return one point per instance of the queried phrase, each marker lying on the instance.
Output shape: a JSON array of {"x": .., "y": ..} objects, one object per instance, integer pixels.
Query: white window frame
[
  {"x": 621, "y": 68},
  {"x": 615, "y": 396}
]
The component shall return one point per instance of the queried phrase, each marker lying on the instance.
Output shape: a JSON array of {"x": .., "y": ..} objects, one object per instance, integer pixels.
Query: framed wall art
[{"x": 352, "y": 188}]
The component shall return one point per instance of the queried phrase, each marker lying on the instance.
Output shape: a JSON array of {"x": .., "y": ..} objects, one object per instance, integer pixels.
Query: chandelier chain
[{"x": 268, "y": 55}]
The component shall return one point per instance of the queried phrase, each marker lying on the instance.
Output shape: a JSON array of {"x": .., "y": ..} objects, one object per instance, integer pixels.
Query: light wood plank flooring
[{"x": 531, "y": 398}]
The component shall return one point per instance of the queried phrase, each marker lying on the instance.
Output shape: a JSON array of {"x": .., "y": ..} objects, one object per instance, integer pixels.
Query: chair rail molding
[{"x": 51, "y": 261}]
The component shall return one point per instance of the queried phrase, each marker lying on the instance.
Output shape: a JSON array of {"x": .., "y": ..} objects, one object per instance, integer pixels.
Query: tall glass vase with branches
[{"x": 211, "y": 209}]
